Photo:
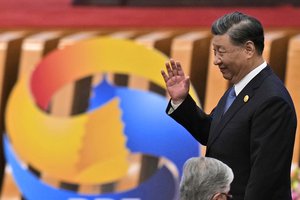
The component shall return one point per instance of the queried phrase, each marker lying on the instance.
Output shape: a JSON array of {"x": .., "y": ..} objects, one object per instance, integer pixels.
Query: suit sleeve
[
  {"x": 192, "y": 118},
  {"x": 271, "y": 145}
]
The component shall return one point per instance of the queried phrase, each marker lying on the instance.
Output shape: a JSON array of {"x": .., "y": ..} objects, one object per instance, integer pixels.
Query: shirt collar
[{"x": 242, "y": 83}]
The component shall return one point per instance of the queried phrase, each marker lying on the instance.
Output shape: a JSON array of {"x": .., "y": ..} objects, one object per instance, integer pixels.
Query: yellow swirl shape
[{"x": 89, "y": 148}]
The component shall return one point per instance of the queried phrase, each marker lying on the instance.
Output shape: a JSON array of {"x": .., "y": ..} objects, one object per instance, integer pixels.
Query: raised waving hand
[{"x": 177, "y": 83}]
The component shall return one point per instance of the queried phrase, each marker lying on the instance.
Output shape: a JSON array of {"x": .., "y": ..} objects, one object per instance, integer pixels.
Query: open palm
[{"x": 177, "y": 83}]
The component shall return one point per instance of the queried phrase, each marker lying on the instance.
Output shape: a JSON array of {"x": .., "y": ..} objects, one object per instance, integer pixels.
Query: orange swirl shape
[{"x": 88, "y": 148}]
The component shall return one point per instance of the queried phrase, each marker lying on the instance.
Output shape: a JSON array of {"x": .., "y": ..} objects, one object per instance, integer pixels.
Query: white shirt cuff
[{"x": 174, "y": 106}]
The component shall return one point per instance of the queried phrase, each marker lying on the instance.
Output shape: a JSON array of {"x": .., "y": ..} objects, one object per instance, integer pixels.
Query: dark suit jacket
[{"x": 255, "y": 137}]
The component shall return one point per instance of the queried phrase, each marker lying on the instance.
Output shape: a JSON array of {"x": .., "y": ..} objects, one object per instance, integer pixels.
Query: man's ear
[
  {"x": 214, "y": 197},
  {"x": 249, "y": 48},
  {"x": 218, "y": 196}
]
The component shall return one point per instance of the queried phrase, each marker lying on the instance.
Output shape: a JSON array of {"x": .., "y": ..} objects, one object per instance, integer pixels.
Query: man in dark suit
[{"x": 255, "y": 135}]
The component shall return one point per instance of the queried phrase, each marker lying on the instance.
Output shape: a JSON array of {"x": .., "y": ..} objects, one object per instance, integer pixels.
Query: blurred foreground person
[{"x": 205, "y": 178}]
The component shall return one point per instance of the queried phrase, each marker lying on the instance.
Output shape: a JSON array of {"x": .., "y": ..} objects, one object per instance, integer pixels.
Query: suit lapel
[
  {"x": 218, "y": 112},
  {"x": 220, "y": 121}
]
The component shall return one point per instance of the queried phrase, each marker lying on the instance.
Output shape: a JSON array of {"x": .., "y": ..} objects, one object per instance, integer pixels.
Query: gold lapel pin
[{"x": 246, "y": 98}]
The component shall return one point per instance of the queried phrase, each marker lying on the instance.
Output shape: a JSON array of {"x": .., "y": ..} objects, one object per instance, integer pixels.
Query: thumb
[
  {"x": 187, "y": 82},
  {"x": 187, "y": 79}
]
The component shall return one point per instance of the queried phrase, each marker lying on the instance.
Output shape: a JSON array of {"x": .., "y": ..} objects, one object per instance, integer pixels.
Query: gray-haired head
[
  {"x": 203, "y": 177},
  {"x": 240, "y": 28}
]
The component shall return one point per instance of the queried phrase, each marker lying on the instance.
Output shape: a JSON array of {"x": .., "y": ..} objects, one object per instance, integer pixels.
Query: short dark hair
[{"x": 240, "y": 28}]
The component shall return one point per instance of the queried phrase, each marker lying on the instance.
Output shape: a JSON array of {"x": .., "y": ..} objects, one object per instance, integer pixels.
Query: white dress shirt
[{"x": 242, "y": 83}]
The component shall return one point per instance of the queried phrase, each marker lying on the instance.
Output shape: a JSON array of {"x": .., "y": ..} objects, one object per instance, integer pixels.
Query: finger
[
  {"x": 180, "y": 72},
  {"x": 169, "y": 70},
  {"x": 164, "y": 75},
  {"x": 174, "y": 67}
]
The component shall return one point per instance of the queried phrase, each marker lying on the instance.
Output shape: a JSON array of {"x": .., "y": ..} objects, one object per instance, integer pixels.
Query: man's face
[{"x": 231, "y": 59}]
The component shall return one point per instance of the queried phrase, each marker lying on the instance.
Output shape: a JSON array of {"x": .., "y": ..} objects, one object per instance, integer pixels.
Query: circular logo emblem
[{"x": 105, "y": 144}]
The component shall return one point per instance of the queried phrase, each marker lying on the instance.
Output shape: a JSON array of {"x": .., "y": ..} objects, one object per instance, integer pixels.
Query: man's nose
[{"x": 217, "y": 60}]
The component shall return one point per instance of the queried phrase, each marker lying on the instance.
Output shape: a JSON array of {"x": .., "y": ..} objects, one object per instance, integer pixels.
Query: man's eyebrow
[{"x": 217, "y": 45}]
